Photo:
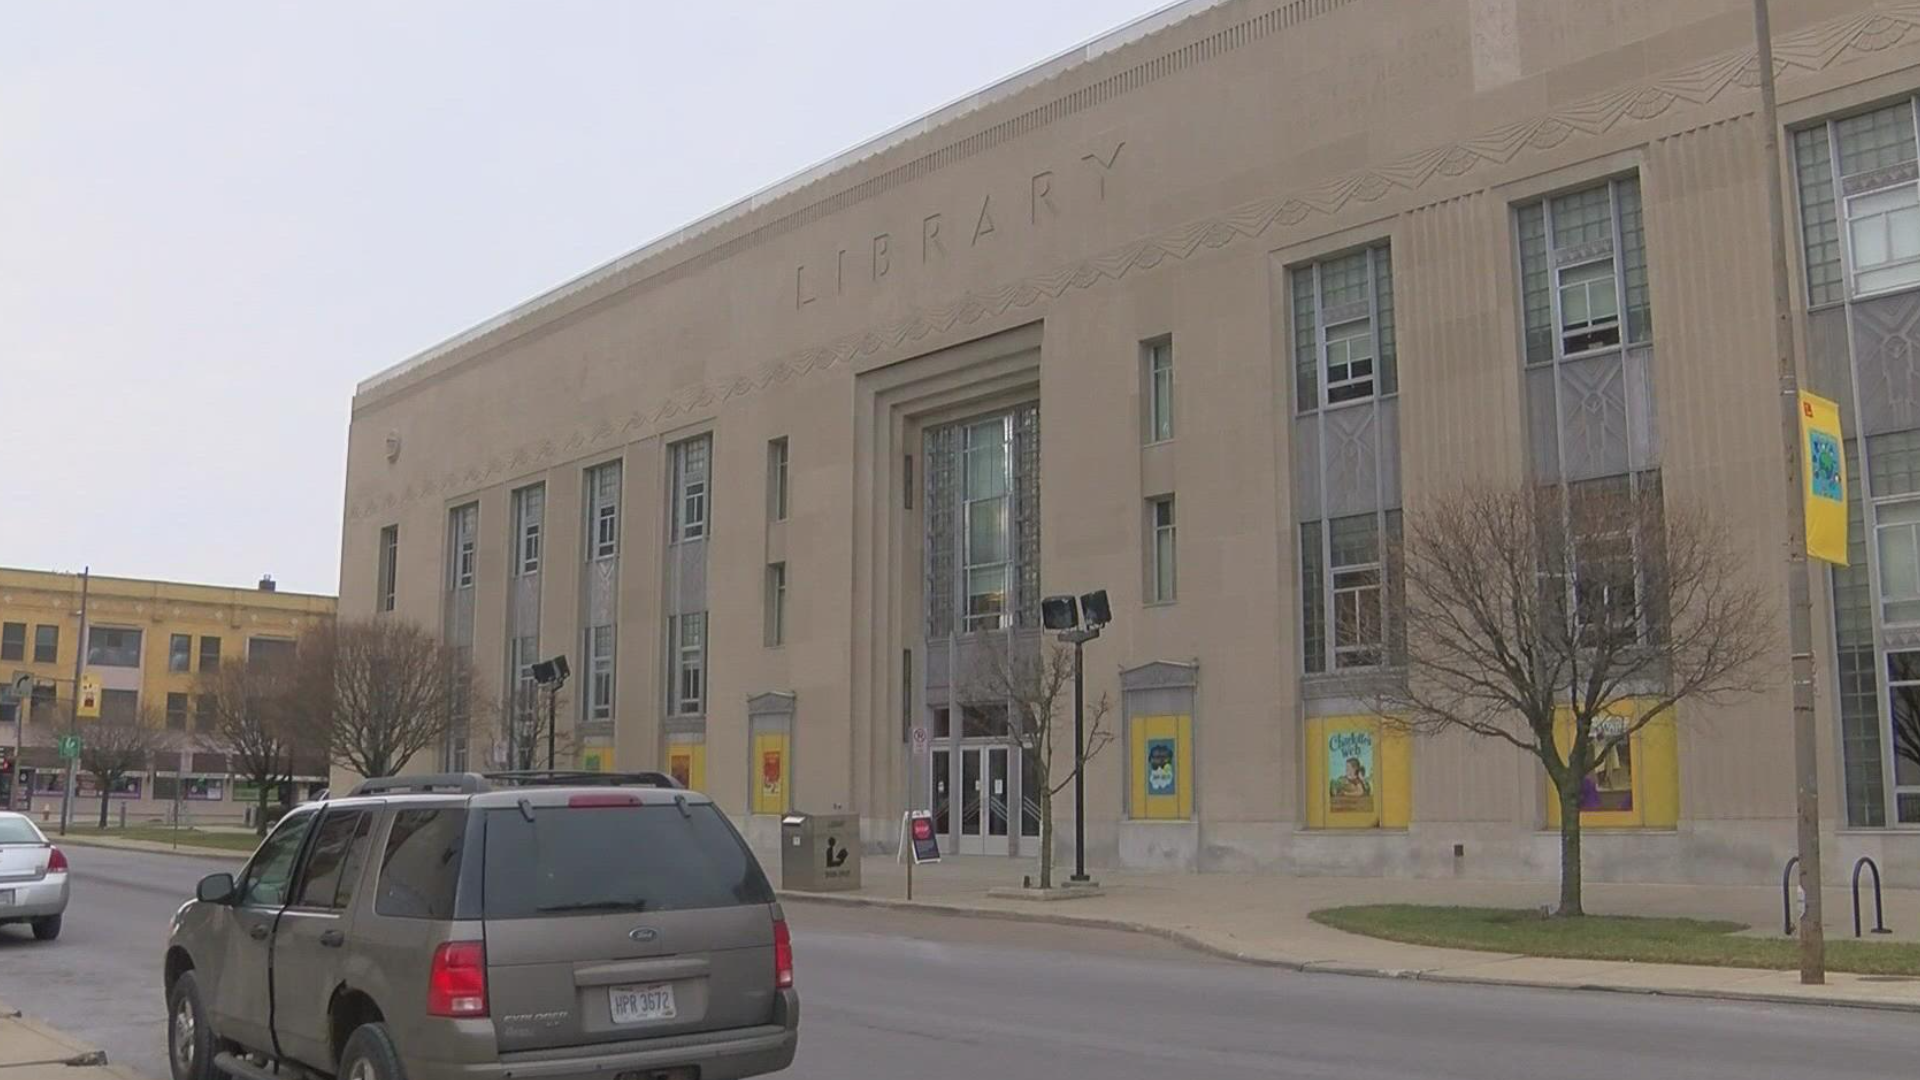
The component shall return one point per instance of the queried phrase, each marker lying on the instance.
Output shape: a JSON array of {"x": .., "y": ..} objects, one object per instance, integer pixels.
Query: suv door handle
[
  {"x": 258, "y": 932},
  {"x": 333, "y": 939}
]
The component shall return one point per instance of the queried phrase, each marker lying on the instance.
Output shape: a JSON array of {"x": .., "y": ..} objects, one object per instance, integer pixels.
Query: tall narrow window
[
  {"x": 46, "y": 644},
  {"x": 1159, "y": 364},
  {"x": 1164, "y": 565},
  {"x": 690, "y": 467},
  {"x": 687, "y": 682},
  {"x": 599, "y": 696},
  {"x": 13, "y": 641},
  {"x": 522, "y": 652},
  {"x": 987, "y": 533},
  {"x": 389, "y": 566},
  {"x": 180, "y": 652},
  {"x": 1359, "y": 622},
  {"x": 776, "y": 631},
  {"x": 176, "y": 712},
  {"x": 463, "y": 525},
  {"x": 529, "y": 514},
  {"x": 777, "y": 479},
  {"x": 1343, "y": 330},
  {"x": 603, "y": 511},
  {"x": 209, "y": 654},
  {"x": 1583, "y": 272}
]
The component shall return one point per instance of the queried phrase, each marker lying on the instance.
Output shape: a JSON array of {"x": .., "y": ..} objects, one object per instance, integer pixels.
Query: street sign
[
  {"x": 69, "y": 747},
  {"x": 919, "y": 739},
  {"x": 920, "y": 834},
  {"x": 90, "y": 696}
]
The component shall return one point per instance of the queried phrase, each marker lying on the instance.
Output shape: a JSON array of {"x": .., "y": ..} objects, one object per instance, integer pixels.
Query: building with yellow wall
[{"x": 148, "y": 642}]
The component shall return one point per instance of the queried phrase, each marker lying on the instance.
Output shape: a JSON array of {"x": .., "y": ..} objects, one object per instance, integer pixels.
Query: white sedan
[{"x": 33, "y": 877}]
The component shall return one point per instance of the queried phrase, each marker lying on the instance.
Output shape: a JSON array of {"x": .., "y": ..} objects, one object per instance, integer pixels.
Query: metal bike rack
[
  {"x": 1879, "y": 913},
  {"x": 1786, "y": 896}
]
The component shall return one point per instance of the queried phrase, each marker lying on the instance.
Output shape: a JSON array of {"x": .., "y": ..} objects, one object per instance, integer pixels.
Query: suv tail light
[
  {"x": 782, "y": 955},
  {"x": 457, "y": 984},
  {"x": 57, "y": 862}
]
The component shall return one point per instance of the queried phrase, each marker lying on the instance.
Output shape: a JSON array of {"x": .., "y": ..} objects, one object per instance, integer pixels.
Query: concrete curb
[
  {"x": 1332, "y": 966},
  {"x": 76, "y": 1060}
]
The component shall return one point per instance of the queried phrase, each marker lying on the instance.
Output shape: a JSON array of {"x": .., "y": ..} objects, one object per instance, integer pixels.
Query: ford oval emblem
[{"x": 643, "y": 934}]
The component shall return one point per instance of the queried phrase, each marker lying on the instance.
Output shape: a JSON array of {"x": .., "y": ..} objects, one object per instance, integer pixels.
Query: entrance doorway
[{"x": 974, "y": 796}]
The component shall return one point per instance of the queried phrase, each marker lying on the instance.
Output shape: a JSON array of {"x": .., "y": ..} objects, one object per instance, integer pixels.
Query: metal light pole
[
  {"x": 1080, "y": 639},
  {"x": 73, "y": 713},
  {"x": 553, "y": 723},
  {"x": 1813, "y": 962}
]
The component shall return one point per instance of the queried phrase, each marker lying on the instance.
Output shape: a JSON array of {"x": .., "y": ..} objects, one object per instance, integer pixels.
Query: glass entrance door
[{"x": 986, "y": 790}]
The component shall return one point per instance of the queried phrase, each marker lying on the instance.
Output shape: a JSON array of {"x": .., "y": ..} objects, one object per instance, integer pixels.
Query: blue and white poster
[{"x": 1161, "y": 772}]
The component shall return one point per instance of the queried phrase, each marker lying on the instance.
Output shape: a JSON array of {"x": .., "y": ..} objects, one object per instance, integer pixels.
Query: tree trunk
[
  {"x": 106, "y": 792},
  {"x": 1046, "y": 835},
  {"x": 1570, "y": 906},
  {"x": 260, "y": 819}
]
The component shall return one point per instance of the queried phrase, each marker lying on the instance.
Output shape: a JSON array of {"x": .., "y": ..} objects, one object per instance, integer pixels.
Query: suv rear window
[{"x": 627, "y": 858}]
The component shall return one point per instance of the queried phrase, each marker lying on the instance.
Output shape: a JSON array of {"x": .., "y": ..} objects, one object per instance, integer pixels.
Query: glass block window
[
  {"x": 1857, "y": 669},
  {"x": 692, "y": 461},
  {"x": 986, "y": 510},
  {"x": 1343, "y": 329},
  {"x": 1313, "y": 604},
  {"x": 1819, "y": 221},
  {"x": 603, "y": 511},
  {"x": 1583, "y": 272},
  {"x": 529, "y": 513},
  {"x": 1859, "y": 188}
]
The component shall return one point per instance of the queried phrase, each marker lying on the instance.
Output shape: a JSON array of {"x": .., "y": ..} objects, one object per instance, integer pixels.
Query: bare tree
[
  {"x": 537, "y": 716},
  {"x": 385, "y": 691},
  {"x": 1591, "y": 610},
  {"x": 1037, "y": 688},
  {"x": 113, "y": 750},
  {"x": 245, "y": 711}
]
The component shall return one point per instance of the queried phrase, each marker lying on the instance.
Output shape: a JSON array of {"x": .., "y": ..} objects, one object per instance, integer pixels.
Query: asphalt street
[{"x": 890, "y": 995}]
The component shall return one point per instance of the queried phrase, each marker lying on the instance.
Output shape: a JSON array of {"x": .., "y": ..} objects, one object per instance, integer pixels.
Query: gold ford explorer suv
[{"x": 519, "y": 926}]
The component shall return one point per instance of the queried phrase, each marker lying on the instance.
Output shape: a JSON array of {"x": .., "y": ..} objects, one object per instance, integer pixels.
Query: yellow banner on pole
[
  {"x": 89, "y": 697},
  {"x": 1825, "y": 467}
]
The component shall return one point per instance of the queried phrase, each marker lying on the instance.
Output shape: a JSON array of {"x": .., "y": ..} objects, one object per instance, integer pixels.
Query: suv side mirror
[{"x": 215, "y": 889}]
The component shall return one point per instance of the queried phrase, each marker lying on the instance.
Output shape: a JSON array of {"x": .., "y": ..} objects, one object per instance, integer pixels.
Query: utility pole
[
  {"x": 1806, "y": 758},
  {"x": 73, "y": 710}
]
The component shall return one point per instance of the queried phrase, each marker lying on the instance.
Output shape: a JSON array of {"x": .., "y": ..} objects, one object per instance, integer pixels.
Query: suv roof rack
[
  {"x": 461, "y": 783},
  {"x": 580, "y": 778}
]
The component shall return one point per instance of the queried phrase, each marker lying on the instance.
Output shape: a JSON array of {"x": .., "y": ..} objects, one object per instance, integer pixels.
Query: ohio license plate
[
  {"x": 6, "y": 897},
  {"x": 640, "y": 1004}
]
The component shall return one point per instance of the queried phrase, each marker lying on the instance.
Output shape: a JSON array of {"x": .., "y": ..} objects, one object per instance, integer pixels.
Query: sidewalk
[
  {"x": 1262, "y": 919},
  {"x": 29, "y": 1051},
  {"x": 196, "y": 850}
]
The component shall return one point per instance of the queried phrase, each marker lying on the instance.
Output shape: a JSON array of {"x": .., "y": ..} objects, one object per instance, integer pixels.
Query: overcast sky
[{"x": 216, "y": 218}]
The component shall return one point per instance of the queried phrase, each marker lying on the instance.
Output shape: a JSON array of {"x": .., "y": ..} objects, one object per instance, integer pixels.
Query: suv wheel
[
  {"x": 189, "y": 1038},
  {"x": 369, "y": 1055}
]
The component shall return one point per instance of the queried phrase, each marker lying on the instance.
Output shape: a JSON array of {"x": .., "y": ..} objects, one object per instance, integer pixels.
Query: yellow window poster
[
  {"x": 770, "y": 779},
  {"x": 1359, "y": 773},
  {"x": 1825, "y": 467},
  {"x": 1162, "y": 748},
  {"x": 597, "y": 759},
  {"x": 687, "y": 764}
]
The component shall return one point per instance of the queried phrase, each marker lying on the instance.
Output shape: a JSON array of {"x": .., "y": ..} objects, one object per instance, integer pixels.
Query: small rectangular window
[
  {"x": 1343, "y": 329},
  {"x": 690, "y": 468},
  {"x": 1163, "y": 564},
  {"x": 776, "y": 604},
  {"x": 389, "y": 566},
  {"x": 1359, "y": 612},
  {"x": 205, "y": 715},
  {"x": 109, "y": 646},
  {"x": 119, "y": 706},
  {"x": 46, "y": 644},
  {"x": 420, "y": 869},
  {"x": 176, "y": 712},
  {"x": 603, "y": 511},
  {"x": 1583, "y": 272},
  {"x": 209, "y": 655},
  {"x": 13, "y": 641},
  {"x": 777, "y": 479},
  {"x": 179, "y": 652},
  {"x": 1159, "y": 364}
]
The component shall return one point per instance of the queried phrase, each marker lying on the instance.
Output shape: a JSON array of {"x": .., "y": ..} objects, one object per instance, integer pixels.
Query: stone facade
[{"x": 1236, "y": 284}]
